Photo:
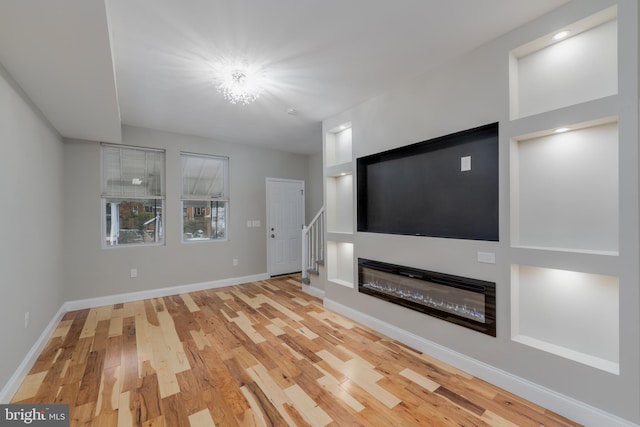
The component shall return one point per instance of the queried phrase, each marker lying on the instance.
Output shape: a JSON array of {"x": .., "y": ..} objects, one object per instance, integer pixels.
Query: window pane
[
  {"x": 132, "y": 172},
  {"x": 203, "y": 176},
  {"x": 133, "y": 221},
  {"x": 204, "y": 220}
]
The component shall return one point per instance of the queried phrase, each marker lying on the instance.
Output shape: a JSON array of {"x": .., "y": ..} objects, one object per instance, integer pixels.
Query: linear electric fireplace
[{"x": 466, "y": 302}]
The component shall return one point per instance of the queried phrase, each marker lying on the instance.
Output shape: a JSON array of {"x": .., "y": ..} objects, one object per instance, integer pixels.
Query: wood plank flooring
[{"x": 259, "y": 354}]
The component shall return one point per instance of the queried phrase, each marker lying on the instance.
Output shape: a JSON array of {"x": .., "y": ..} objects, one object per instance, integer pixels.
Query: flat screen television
[{"x": 443, "y": 187}]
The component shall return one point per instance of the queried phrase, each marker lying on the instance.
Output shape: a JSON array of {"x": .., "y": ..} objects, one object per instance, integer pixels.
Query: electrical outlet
[
  {"x": 487, "y": 257},
  {"x": 235, "y": 262},
  {"x": 134, "y": 273},
  {"x": 26, "y": 319}
]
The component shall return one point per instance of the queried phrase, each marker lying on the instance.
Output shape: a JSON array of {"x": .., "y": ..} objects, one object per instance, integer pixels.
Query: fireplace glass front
[{"x": 460, "y": 300}]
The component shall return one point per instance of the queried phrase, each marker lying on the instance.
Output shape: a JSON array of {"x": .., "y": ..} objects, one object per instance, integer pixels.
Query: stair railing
[{"x": 313, "y": 246}]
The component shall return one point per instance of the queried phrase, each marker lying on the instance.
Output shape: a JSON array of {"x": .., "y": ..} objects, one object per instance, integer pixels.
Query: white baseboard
[
  {"x": 564, "y": 405},
  {"x": 10, "y": 389},
  {"x": 313, "y": 291},
  {"x": 161, "y": 292}
]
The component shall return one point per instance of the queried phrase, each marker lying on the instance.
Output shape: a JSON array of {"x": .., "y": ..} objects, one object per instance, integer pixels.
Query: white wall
[
  {"x": 31, "y": 167},
  {"x": 313, "y": 185},
  {"x": 91, "y": 271},
  {"x": 473, "y": 91}
]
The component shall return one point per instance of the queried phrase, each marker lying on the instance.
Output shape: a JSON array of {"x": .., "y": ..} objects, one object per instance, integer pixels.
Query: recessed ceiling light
[
  {"x": 292, "y": 112},
  {"x": 561, "y": 34},
  {"x": 560, "y": 130}
]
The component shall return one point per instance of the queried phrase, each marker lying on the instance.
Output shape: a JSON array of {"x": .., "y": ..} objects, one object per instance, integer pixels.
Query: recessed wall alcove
[
  {"x": 571, "y": 314},
  {"x": 547, "y": 74},
  {"x": 564, "y": 189}
]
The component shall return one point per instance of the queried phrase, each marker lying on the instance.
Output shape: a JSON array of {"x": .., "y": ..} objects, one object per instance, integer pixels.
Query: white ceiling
[
  {"x": 318, "y": 57},
  {"x": 59, "y": 53}
]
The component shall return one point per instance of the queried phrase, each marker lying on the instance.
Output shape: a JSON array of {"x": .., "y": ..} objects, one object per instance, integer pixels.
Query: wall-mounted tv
[{"x": 443, "y": 187}]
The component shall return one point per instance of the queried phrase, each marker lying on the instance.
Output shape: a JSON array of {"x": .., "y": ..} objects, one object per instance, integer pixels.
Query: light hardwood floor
[{"x": 260, "y": 354}]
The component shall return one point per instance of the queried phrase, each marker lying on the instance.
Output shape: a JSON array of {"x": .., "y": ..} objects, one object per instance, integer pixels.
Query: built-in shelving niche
[
  {"x": 338, "y": 166},
  {"x": 339, "y": 179},
  {"x": 338, "y": 145},
  {"x": 547, "y": 73},
  {"x": 571, "y": 314},
  {"x": 339, "y": 194},
  {"x": 565, "y": 190},
  {"x": 340, "y": 262}
]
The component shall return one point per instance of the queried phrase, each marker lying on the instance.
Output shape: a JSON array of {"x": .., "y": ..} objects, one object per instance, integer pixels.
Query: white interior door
[{"x": 285, "y": 216}]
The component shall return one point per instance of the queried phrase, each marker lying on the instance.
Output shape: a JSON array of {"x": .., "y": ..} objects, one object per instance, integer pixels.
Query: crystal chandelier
[{"x": 240, "y": 86}]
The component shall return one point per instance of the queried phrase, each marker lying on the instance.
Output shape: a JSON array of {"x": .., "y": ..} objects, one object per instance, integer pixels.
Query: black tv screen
[{"x": 443, "y": 187}]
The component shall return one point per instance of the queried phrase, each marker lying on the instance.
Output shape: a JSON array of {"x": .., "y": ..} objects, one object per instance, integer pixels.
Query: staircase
[{"x": 313, "y": 246}]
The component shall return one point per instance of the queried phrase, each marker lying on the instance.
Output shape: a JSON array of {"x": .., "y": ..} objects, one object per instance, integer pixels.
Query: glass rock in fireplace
[{"x": 460, "y": 300}]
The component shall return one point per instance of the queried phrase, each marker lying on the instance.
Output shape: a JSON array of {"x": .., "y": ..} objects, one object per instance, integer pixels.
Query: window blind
[
  {"x": 132, "y": 172},
  {"x": 204, "y": 177}
]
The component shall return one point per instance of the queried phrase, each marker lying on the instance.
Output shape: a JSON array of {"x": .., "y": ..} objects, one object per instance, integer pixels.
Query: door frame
[{"x": 268, "y": 215}]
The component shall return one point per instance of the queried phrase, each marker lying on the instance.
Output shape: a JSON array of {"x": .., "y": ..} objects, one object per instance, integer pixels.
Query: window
[
  {"x": 204, "y": 197},
  {"x": 132, "y": 196}
]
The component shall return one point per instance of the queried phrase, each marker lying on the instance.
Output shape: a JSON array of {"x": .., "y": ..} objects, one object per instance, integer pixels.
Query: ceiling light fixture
[
  {"x": 561, "y": 130},
  {"x": 240, "y": 85}
]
